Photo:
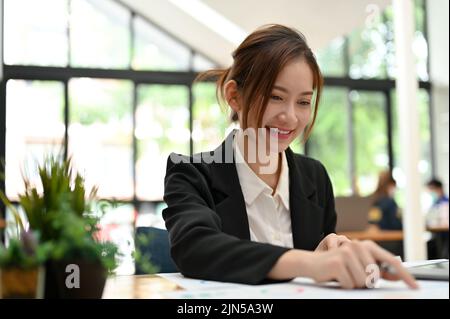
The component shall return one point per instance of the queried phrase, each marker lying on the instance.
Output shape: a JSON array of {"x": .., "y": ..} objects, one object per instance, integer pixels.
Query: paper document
[
  {"x": 301, "y": 288},
  {"x": 196, "y": 284}
]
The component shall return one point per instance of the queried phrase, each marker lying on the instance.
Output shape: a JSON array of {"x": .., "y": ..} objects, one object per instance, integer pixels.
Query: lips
[{"x": 281, "y": 133}]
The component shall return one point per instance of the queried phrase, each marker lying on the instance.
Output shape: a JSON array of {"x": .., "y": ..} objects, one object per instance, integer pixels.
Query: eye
[
  {"x": 304, "y": 103},
  {"x": 276, "y": 98}
]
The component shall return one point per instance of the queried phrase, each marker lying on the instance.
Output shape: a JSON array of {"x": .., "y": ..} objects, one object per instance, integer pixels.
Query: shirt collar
[{"x": 252, "y": 186}]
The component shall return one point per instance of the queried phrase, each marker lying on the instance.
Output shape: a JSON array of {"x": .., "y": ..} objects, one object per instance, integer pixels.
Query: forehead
[{"x": 296, "y": 76}]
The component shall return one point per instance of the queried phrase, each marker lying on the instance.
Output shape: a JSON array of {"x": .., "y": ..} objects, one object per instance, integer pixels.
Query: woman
[
  {"x": 385, "y": 212},
  {"x": 252, "y": 210}
]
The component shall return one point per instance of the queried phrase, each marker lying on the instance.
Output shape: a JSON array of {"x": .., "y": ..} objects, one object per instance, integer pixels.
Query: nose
[{"x": 287, "y": 114}]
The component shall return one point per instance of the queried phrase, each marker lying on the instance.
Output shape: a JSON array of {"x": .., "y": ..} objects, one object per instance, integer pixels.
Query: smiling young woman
[{"x": 237, "y": 221}]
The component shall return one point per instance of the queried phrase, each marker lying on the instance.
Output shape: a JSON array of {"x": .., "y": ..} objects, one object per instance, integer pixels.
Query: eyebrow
[{"x": 287, "y": 91}]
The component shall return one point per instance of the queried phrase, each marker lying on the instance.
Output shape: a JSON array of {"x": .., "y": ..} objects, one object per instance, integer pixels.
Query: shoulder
[
  {"x": 198, "y": 162},
  {"x": 310, "y": 166}
]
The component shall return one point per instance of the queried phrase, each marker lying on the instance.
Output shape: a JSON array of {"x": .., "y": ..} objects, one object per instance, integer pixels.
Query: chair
[
  {"x": 352, "y": 213},
  {"x": 158, "y": 248}
]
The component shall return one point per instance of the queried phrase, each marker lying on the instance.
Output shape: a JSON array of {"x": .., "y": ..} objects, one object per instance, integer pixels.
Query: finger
[
  {"x": 342, "y": 240},
  {"x": 366, "y": 260},
  {"x": 332, "y": 243},
  {"x": 355, "y": 266},
  {"x": 344, "y": 278},
  {"x": 401, "y": 273}
]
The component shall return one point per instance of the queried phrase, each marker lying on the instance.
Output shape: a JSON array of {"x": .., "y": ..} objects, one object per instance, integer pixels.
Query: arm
[
  {"x": 199, "y": 247},
  {"x": 351, "y": 264}
]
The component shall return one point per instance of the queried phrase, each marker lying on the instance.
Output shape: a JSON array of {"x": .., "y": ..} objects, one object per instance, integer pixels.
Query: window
[
  {"x": 420, "y": 46},
  {"x": 100, "y": 134},
  {"x": 210, "y": 119},
  {"x": 331, "y": 59},
  {"x": 154, "y": 50},
  {"x": 99, "y": 26},
  {"x": 370, "y": 136},
  {"x": 200, "y": 63},
  {"x": 329, "y": 140},
  {"x": 425, "y": 138},
  {"x": 162, "y": 127},
  {"x": 367, "y": 49},
  {"x": 35, "y": 32},
  {"x": 34, "y": 128}
]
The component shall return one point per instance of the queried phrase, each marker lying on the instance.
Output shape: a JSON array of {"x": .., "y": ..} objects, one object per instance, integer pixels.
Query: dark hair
[
  {"x": 385, "y": 179},
  {"x": 435, "y": 183},
  {"x": 256, "y": 64}
]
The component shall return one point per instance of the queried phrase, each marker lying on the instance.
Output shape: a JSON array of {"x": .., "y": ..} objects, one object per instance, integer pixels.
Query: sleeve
[
  {"x": 330, "y": 216},
  {"x": 199, "y": 247}
]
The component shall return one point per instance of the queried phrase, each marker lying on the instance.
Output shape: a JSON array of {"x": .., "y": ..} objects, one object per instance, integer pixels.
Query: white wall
[{"x": 438, "y": 33}]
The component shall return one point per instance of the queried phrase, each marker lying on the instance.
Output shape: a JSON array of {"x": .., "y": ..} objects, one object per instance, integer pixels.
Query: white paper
[
  {"x": 305, "y": 288},
  {"x": 198, "y": 284}
]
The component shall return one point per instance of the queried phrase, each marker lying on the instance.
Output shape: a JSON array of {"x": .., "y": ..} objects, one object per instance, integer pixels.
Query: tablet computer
[{"x": 432, "y": 271}]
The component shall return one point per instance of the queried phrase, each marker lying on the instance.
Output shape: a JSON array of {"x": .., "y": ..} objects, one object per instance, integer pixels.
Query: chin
[{"x": 280, "y": 147}]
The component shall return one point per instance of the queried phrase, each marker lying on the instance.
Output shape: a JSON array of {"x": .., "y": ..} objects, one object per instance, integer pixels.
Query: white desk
[{"x": 174, "y": 286}]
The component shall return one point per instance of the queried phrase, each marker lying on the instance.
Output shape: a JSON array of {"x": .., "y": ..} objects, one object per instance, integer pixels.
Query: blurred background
[{"x": 110, "y": 83}]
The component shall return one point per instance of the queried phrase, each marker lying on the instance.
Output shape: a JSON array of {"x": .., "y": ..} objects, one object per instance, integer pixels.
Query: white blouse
[{"x": 269, "y": 216}]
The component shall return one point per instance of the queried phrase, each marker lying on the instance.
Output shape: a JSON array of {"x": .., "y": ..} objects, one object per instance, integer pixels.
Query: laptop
[{"x": 352, "y": 213}]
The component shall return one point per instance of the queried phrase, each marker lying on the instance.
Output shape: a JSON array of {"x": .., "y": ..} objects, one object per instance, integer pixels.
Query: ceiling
[{"x": 321, "y": 21}]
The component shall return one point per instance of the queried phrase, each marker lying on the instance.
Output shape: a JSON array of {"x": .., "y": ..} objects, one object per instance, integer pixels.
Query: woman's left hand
[{"x": 331, "y": 241}]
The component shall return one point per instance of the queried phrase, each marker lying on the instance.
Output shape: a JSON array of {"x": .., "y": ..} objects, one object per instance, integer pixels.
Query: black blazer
[{"x": 207, "y": 220}]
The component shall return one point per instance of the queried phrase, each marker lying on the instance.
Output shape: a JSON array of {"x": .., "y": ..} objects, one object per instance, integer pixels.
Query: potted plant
[
  {"x": 21, "y": 271},
  {"x": 61, "y": 211}
]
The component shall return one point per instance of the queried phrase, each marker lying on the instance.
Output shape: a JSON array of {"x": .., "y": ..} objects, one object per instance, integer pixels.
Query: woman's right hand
[{"x": 351, "y": 264}]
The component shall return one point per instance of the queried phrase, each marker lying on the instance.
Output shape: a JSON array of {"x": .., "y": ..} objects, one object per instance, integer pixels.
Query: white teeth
[{"x": 280, "y": 131}]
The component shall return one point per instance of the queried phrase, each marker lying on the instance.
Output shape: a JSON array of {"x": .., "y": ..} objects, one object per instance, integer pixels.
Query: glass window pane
[
  {"x": 155, "y": 50},
  {"x": 100, "y": 134},
  {"x": 200, "y": 63},
  {"x": 367, "y": 50},
  {"x": 34, "y": 129},
  {"x": 210, "y": 119},
  {"x": 117, "y": 225},
  {"x": 99, "y": 34},
  {"x": 36, "y": 32},
  {"x": 328, "y": 142},
  {"x": 331, "y": 58},
  {"x": 371, "y": 141},
  {"x": 425, "y": 137},
  {"x": 420, "y": 45},
  {"x": 150, "y": 215},
  {"x": 162, "y": 127}
]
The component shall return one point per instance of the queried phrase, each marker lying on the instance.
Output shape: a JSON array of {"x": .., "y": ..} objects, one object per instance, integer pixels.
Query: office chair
[{"x": 158, "y": 248}]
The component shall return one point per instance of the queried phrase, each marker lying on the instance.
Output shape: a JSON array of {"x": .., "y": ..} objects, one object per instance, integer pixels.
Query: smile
[{"x": 279, "y": 132}]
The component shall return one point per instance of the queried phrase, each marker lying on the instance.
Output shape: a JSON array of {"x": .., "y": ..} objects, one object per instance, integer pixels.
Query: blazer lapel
[
  {"x": 231, "y": 204},
  {"x": 306, "y": 215}
]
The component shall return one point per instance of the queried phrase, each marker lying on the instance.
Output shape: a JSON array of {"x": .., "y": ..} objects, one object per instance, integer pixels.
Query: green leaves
[
  {"x": 62, "y": 215},
  {"x": 143, "y": 259}
]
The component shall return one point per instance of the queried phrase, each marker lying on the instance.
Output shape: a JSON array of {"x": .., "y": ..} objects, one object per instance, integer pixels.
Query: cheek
[{"x": 303, "y": 117}]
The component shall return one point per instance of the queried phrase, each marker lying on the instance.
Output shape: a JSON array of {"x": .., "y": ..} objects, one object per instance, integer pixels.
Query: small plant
[
  {"x": 24, "y": 252},
  {"x": 60, "y": 212},
  {"x": 142, "y": 259}
]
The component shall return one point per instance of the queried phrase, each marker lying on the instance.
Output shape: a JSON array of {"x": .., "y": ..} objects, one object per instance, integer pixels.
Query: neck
[{"x": 267, "y": 170}]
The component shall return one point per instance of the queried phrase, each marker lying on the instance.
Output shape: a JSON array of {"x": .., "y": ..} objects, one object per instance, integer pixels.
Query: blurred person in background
[
  {"x": 437, "y": 220},
  {"x": 385, "y": 212}
]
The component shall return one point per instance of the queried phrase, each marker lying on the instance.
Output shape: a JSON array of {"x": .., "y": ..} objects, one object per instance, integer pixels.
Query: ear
[{"x": 232, "y": 95}]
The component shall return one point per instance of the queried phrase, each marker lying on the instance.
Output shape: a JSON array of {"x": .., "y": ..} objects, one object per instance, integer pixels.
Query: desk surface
[
  {"x": 156, "y": 286},
  {"x": 375, "y": 235},
  {"x": 385, "y": 235}
]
